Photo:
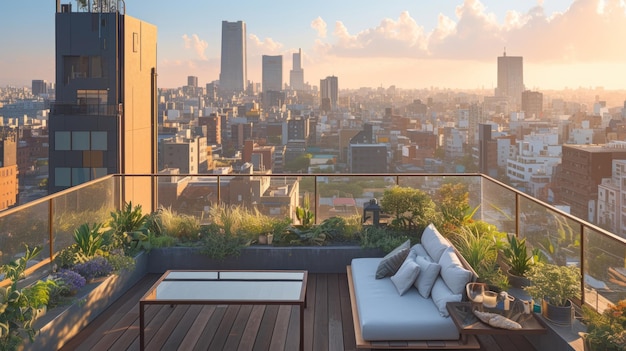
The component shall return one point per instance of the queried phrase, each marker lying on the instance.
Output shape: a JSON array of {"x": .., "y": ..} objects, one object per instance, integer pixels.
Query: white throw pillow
[
  {"x": 434, "y": 243},
  {"x": 419, "y": 250},
  {"x": 453, "y": 273},
  {"x": 429, "y": 271},
  {"x": 405, "y": 276},
  {"x": 441, "y": 295}
]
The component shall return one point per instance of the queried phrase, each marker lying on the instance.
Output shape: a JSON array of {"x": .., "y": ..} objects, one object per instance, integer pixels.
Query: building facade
[
  {"x": 296, "y": 75},
  {"x": 234, "y": 71},
  {"x": 329, "y": 93},
  {"x": 510, "y": 78},
  {"x": 104, "y": 119}
]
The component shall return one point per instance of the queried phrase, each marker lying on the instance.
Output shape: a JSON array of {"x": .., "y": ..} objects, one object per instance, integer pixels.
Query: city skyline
[{"x": 451, "y": 44}]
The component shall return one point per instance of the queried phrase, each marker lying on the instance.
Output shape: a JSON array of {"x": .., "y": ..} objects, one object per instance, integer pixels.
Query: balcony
[{"x": 564, "y": 239}]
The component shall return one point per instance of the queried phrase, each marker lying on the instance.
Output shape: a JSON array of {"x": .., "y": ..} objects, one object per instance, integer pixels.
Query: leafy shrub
[
  {"x": 219, "y": 244},
  {"x": 381, "y": 237},
  {"x": 411, "y": 208},
  {"x": 94, "y": 268},
  {"x": 606, "y": 331},
  {"x": 121, "y": 262},
  {"x": 67, "y": 257},
  {"x": 89, "y": 239}
]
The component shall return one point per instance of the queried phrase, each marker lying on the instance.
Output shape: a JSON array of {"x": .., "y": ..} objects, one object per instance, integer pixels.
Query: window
[
  {"x": 80, "y": 175},
  {"x": 82, "y": 67},
  {"x": 62, "y": 141},
  {"x": 80, "y": 140},
  {"x": 62, "y": 176},
  {"x": 99, "y": 141}
]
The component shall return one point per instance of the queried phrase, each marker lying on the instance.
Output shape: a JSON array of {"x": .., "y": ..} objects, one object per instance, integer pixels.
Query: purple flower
[
  {"x": 94, "y": 268},
  {"x": 70, "y": 280}
]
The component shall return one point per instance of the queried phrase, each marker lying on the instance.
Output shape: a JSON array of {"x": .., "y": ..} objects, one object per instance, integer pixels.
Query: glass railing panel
[
  {"x": 554, "y": 235},
  {"x": 91, "y": 204},
  {"x": 604, "y": 270},
  {"x": 346, "y": 195},
  {"x": 498, "y": 206},
  {"x": 28, "y": 226}
]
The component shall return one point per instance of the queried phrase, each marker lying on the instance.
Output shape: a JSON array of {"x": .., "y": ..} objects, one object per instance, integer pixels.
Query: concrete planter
[
  {"x": 62, "y": 323},
  {"x": 315, "y": 259}
]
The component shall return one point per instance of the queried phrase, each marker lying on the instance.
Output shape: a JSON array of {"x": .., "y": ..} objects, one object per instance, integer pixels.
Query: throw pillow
[
  {"x": 419, "y": 250},
  {"x": 452, "y": 271},
  {"x": 405, "y": 276},
  {"x": 429, "y": 271},
  {"x": 393, "y": 260},
  {"x": 441, "y": 295},
  {"x": 434, "y": 243}
]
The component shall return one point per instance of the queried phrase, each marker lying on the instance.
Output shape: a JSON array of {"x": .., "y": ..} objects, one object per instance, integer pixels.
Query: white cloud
[
  {"x": 320, "y": 27},
  {"x": 198, "y": 45},
  {"x": 265, "y": 46}
]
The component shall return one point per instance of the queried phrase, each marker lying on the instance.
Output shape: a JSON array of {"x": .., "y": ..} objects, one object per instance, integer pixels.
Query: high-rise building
[
  {"x": 192, "y": 81},
  {"x": 104, "y": 119},
  {"x": 329, "y": 93},
  {"x": 233, "y": 75},
  {"x": 272, "y": 73},
  {"x": 39, "y": 87},
  {"x": 510, "y": 78},
  {"x": 8, "y": 170},
  {"x": 532, "y": 103},
  {"x": 296, "y": 75}
]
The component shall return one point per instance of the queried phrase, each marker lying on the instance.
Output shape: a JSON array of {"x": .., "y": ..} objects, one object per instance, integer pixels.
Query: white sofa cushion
[
  {"x": 385, "y": 315},
  {"x": 393, "y": 260},
  {"x": 429, "y": 271},
  {"x": 441, "y": 295},
  {"x": 419, "y": 250},
  {"x": 452, "y": 271},
  {"x": 406, "y": 275},
  {"x": 434, "y": 243}
]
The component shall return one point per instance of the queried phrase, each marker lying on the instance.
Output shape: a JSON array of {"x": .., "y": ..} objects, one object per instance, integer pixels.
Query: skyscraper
[
  {"x": 510, "y": 78},
  {"x": 272, "y": 73},
  {"x": 104, "y": 118},
  {"x": 233, "y": 75},
  {"x": 39, "y": 87},
  {"x": 296, "y": 75},
  {"x": 329, "y": 92}
]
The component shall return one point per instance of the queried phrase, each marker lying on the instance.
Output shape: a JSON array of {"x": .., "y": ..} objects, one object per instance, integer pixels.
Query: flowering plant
[
  {"x": 94, "y": 268},
  {"x": 70, "y": 281},
  {"x": 607, "y": 331}
]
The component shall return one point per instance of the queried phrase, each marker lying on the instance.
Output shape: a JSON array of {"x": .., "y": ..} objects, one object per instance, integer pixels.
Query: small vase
[{"x": 262, "y": 239}]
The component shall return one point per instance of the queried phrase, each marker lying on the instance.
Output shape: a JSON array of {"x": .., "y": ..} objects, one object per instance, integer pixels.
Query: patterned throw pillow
[{"x": 393, "y": 260}]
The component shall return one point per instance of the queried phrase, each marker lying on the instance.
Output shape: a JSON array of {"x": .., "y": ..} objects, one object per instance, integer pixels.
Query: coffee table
[
  {"x": 467, "y": 323},
  {"x": 227, "y": 287}
]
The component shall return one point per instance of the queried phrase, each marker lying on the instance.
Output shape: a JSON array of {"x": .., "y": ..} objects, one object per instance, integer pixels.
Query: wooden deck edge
[{"x": 472, "y": 341}]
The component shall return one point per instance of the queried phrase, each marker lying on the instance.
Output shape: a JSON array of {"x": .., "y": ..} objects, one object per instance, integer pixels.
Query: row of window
[
  {"x": 66, "y": 176},
  {"x": 80, "y": 140}
]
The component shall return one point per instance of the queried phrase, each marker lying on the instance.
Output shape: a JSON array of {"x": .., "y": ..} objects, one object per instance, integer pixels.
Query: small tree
[{"x": 411, "y": 208}]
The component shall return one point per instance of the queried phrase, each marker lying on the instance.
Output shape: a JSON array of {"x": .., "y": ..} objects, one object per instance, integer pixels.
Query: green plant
[
  {"x": 381, "y": 238},
  {"x": 553, "y": 283},
  {"x": 606, "y": 331},
  {"x": 128, "y": 229},
  {"x": 517, "y": 257},
  {"x": 412, "y": 209},
  {"x": 67, "y": 257},
  {"x": 20, "y": 307},
  {"x": 304, "y": 213},
  {"x": 89, "y": 239},
  {"x": 219, "y": 244}
]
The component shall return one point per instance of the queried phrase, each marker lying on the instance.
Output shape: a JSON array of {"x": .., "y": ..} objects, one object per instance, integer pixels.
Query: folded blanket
[{"x": 497, "y": 321}]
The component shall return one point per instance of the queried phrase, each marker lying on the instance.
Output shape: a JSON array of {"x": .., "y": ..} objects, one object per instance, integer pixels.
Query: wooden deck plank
[
  {"x": 207, "y": 334},
  {"x": 172, "y": 315},
  {"x": 320, "y": 323},
  {"x": 335, "y": 332},
  {"x": 182, "y": 327},
  {"x": 252, "y": 327},
  {"x": 239, "y": 327},
  {"x": 280, "y": 329},
  {"x": 191, "y": 339},
  {"x": 309, "y": 312},
  {"x": 266, "y": 329},
  {"x": 293, "y": 331},
  {"x": 349, "y": 342},
  {"x": 222, "y": 332}
]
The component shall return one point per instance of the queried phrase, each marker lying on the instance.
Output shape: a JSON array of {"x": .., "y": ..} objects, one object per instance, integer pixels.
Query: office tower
[
  {"x": 532, "y": 103},
  {"x": 39, "y": 87},
  {"x": 272, "y": 74},
  {"x": 213, "y": 128},
  {"x": 329, "y": 93},
  {"x": 192, "y": 81},
  {"x": 8, "y": 170},
  {"x": 233, "y": 75},
  {"x": 510, "y": 78},
  {"x": 104, "y": 120},
  {"x": 296, "y": 75},
  {"x": 487, "y": 151}
]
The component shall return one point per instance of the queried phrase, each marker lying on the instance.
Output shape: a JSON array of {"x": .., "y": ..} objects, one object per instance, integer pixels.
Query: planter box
[
  {"x": 315, "y": 259},
  {"x": 58, "y": 325}
]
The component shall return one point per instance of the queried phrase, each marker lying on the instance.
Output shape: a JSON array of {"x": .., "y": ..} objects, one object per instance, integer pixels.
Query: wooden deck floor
[{"x": 327, "y": 320}]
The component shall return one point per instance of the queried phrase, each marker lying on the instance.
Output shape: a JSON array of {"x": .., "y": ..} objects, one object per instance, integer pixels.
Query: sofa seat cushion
[{"x": 385, "y": 315}]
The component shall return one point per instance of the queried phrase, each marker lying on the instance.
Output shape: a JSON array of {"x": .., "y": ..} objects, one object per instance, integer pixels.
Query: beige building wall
[{"x": 139, "y": 143}]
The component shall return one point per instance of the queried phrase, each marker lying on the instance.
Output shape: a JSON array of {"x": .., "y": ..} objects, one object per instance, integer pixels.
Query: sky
[{"x": 365, "y": 43}]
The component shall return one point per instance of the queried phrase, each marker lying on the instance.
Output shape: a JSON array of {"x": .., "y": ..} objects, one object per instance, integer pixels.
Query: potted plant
[
  {"x": 554, "y": 285},
  {"x": 606, "y": 331},
  {"x": 517, "y": 259}
]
